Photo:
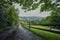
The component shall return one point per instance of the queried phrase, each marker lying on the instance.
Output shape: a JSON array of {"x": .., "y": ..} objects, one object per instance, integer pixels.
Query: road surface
[{"x": 24, "y": 34}]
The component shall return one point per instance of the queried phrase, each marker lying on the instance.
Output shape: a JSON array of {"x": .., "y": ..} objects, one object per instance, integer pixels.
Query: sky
[{"x": 35, "y": 12}]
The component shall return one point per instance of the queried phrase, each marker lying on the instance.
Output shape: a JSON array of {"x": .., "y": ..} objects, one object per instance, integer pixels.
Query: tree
[
  {"x": 8, "y": 16},
  {"x": 45, "y": 5}
]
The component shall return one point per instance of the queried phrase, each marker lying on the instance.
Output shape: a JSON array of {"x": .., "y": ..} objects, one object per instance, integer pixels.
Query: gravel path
[{"x": 24, "y": 34}]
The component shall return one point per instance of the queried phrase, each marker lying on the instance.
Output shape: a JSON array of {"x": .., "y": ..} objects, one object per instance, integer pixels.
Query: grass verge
[{"x": 45, "y": 34}]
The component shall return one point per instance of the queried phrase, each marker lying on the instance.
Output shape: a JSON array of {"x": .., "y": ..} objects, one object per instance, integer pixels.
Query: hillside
[{"x": 30, "y": 18}]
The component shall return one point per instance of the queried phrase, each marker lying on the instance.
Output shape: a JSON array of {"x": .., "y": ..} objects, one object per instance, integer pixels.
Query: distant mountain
[{"x": 30, "y": 18}]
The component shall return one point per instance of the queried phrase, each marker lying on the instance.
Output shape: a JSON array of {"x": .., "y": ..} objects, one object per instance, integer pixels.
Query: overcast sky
[{"x": 31, "y": 13}]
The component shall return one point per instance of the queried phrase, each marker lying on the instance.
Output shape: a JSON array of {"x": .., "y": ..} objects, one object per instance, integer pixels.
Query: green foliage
[
  {"x": 45, "y": 34},
  {"x": 8, "y": 13},
  {"x": 8, "y": 16},
  {"x": 27, "y": 4},
  {"x": 51, "y": 20},
  {"x": 14, "y": 16}
]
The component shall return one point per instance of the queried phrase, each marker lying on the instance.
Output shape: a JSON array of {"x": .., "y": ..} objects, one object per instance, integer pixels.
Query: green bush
[{"x": 8, "y": 16}]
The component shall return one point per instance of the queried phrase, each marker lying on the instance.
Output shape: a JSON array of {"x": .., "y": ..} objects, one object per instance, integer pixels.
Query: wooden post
[{"x": 29, "y": 25}]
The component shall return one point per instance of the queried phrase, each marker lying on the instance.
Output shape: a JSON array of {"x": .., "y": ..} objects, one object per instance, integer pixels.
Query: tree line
[{"x": 9, "y": 16}]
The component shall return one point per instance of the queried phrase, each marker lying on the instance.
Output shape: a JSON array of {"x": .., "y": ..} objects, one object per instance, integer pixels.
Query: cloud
[{"x": 32, "y": 12}]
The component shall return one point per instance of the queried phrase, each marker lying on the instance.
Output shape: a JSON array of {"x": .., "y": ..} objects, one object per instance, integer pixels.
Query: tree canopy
[
  {"x": 8, "y": 13},
  {"x": 32, "y": 4}
]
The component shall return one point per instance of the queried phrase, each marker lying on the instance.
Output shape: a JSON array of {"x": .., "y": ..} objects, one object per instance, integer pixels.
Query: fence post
[{"x": 29, "y": 25}]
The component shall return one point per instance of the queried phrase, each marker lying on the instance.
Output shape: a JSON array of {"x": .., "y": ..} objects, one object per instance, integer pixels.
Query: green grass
[
  {"x": 45, "y": 34},
  {"x": 41, "y": 27},
  {"x": 44, "y": 27}
]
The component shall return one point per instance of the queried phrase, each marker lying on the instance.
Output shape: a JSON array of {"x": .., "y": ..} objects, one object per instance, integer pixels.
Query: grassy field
[
  {"x": 45, "y": 34},
  {"x": 41, "y": 27},
  {"x": 45, "y": 27}
]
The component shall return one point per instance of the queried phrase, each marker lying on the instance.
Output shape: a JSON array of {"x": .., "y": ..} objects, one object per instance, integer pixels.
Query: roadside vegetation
[
  {"x": 49, "y": 32},
  {"x": 9, "y": 16},
  {"x": 45, "y": 34}
]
